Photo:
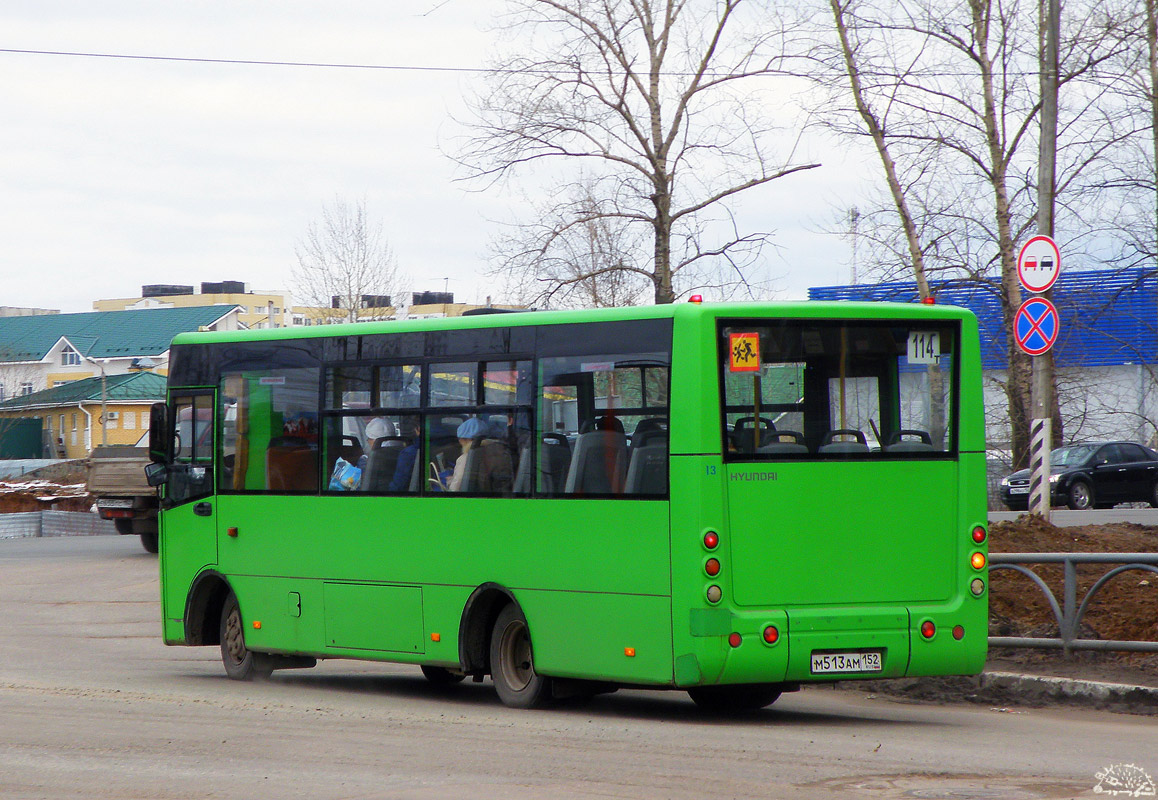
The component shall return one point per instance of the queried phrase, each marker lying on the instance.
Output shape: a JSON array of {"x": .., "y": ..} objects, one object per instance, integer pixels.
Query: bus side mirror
[
  {"x": 159, "y": 433},
  {"x": 156, "y": 474}
]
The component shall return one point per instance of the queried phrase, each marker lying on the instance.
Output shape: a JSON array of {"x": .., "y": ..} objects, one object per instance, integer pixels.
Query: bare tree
[
  {"x": 576, "y": 252},
  {"x": 345, "y": 268},
  {"x": 949, "y": 97},
  {"x": 650, "y": 99}
]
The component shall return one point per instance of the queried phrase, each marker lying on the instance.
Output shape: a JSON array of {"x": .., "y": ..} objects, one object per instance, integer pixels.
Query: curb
[
  {"x": 1096, "y": 692},
  {"x": 1000, "y": 689}
]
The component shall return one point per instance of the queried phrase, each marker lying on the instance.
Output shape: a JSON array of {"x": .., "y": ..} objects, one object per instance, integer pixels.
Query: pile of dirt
[
  {"x": 35, "y": 495},
  {"x": 1125, "y": 608}
]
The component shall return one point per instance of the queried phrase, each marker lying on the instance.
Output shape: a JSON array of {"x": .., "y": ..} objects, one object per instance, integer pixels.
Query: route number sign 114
[{"x": 924, "y": 347}]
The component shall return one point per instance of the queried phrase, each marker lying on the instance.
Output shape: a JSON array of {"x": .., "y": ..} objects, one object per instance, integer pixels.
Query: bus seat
[
  {"x": 350, "y": 449},
  {"x": 647, "y": 426},
  {"x": 784, "y": 442},
  {"x": 381, "y": 463},
  {"x": 488, "y": 469},
  {"x": 897, "y": 442},
  {"x": 743, "y": 433},
  {"x": 554, "y": 463},
  {"x": 843, "y": 440},
  {"x": 598, "y": 463},
  {"x": 291, "y": 465},
  {"x": 647, "y": 471}
]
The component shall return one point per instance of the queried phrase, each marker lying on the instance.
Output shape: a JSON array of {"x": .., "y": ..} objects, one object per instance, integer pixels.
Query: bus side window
[{"x": 273, "y": 439}]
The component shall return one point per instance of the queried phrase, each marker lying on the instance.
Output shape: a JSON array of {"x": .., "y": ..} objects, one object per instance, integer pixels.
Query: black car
[{"x": 1091, "y": 475}]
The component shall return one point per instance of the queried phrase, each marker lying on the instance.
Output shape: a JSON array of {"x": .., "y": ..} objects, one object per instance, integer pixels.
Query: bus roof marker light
[
  {"x": 696, "y": 298},
  {"x": 712, "y": 567},
  {"x": 735, "y": 639},
  {"x": 979, "y": 534},
  {"x": 978, "y": 561},
  {"x": 928, "y": 629}
]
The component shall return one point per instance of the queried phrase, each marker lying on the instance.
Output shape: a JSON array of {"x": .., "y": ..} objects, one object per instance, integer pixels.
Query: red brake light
[
  {"x": 711, "y": 540},
  {"x": 979, "y": 534}
]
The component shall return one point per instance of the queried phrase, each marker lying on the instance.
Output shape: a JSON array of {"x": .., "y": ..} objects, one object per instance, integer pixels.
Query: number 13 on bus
[{"x": 714, "y": 498}]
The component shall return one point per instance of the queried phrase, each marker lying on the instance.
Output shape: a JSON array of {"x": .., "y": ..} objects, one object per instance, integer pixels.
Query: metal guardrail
[{"x": 1069, "y": 614}]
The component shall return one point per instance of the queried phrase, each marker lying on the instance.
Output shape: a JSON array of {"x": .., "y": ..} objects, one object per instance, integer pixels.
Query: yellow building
[
  {"x": 71, "y": 419},
  {"x": 255, "y": 309}
]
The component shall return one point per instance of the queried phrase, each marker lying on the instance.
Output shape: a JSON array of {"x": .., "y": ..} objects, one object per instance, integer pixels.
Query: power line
[
  {"x": 1094, "y": 75},
  {"x": 245, "y": 61}
]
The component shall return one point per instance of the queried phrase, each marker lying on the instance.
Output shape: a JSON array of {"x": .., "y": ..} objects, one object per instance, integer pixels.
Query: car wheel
[
  {"x": 1080, "y": 496},
  {"x": 1154, "y": 496}
]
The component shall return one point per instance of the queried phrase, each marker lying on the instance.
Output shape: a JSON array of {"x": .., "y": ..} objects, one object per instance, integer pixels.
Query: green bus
[{"x": 728, "y": 499}]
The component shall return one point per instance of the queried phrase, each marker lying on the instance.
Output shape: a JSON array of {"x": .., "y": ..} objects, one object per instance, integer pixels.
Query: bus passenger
[
  {"x": 411, "y": 426},
  {"x": 467, "y": 432}
]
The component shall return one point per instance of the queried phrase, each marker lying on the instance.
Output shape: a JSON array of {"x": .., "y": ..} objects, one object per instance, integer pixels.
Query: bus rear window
[{"x": 838, "y": 389}]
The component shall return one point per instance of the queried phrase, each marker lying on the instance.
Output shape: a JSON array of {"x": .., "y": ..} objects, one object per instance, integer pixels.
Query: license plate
[
  {"x": 1019, "y": 490},
  {"x": 107, "y": 502},
  {"x": 846, "y": 662}
]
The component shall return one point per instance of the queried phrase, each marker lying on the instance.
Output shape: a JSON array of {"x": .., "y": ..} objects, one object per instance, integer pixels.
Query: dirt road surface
[{"x": 93, "y": 705}]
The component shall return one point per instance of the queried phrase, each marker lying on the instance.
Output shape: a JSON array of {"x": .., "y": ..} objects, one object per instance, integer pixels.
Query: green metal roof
[
  {"x": 141, "y": 386},
  {"x": 103, "y": 334}
]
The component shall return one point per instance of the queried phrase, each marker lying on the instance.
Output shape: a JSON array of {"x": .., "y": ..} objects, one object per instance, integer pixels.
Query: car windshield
[{"x": 1072, "y": 455}]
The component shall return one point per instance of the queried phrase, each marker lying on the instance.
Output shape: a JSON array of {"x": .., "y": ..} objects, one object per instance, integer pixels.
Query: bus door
[{"x": 189, "y": 530}]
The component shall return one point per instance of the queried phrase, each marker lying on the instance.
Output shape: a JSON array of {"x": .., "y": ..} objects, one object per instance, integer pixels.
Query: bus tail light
[
  {"x": 928, "y": 629},
  {"x": 735, "y": 639},
  {"x": 958, "y": 632},
  {"x": 979, "y": 534},
  {"x": 712, "y": 567},
  {"x": 771, "y": 634},
  {"x": 711, "y": 540}
]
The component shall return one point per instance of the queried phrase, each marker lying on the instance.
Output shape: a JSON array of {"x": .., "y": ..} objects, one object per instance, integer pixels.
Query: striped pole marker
[{"x": 1040, "y": 431}]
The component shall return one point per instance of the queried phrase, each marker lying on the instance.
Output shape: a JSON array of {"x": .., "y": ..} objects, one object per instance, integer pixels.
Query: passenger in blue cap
[{"x": 467, "y": 432}]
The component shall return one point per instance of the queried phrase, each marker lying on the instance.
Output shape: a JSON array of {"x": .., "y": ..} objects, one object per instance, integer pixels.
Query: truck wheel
[
  {"x": 124, "y": 526},
  {"x": 149, "y": 541}
]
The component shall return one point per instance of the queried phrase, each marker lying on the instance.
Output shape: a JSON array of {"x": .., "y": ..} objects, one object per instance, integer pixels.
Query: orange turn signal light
[{"x": 978, "y": 561}]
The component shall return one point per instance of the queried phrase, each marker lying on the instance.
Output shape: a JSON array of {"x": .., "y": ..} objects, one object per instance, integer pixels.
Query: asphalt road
[{"x": 93, "y": 705}]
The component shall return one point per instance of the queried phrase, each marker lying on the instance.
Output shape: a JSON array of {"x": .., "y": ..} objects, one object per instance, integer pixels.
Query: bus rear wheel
[
  {"x": 734, "y": 699},
  {"x": 241, "y": 663},
  {"x": 513, "y": 662}
]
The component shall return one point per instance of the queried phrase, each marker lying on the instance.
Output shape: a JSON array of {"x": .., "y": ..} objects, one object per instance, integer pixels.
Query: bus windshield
[{"x": 820, "y": 388}]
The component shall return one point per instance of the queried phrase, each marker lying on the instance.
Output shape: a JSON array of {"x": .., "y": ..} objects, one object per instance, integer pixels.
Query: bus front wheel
[
  {"x": 734, "y": 699},
  {"x": 241, "y": 663},
  {"x": 513, "y": 663}
]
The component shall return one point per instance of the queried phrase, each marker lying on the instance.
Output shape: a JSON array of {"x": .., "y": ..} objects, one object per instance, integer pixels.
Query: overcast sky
[{"x": 116, "y": 173}]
